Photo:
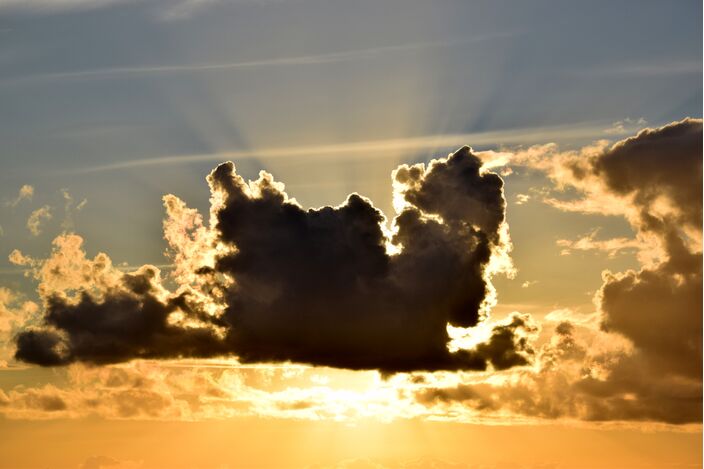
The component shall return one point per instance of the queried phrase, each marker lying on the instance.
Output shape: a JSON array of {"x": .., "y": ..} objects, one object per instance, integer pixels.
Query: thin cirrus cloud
[
  {"x": 377, "y": 148},
  {"x": 611, "y": 247},
  {"x": 642, "y": 69},
  {"x": 26, "y": 192},
  {"x": 39, "y": 6},
  {"x": 302, "y": 60},
  {"x": 177, "y": 9}
]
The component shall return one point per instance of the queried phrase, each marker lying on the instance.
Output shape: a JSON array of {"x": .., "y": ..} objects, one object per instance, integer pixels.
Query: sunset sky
[{"x": 350, "y": 234}]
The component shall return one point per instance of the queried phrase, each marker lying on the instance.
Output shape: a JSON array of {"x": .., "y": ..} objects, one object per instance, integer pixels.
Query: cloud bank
[
  {"x": 268, "y": 281},
  {"x": 655, "y": 180}
]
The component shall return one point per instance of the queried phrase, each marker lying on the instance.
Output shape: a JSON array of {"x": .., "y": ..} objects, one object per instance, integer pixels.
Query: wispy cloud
[
  {"x": 34, "y": 6},
  {"x": 300, "y": 60},
  {"x": 167, "y": 10},
  {"x": 34, "y": 221},
  {"x": 642, "y": 69},
  {"x": 26, "y": 192},
  {"x": 626, "y": 125},
  {"x": 376, "y": 148},
  {"x": 184, "y": 9},
  {"x": 522, "y": 199},
  {"x": 611, "y": 247}
]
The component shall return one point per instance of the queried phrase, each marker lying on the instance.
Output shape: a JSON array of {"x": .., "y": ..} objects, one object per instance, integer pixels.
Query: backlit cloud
[
  {"x": 655, "y": 179},
  {"x": 269, "y": 281}
]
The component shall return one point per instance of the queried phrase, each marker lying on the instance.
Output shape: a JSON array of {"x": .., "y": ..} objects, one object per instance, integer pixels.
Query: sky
[{"x": 371, "y": 234}]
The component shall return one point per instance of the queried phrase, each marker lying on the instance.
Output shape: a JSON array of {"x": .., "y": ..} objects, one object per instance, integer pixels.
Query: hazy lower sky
[{"x": 563, "y": 248}]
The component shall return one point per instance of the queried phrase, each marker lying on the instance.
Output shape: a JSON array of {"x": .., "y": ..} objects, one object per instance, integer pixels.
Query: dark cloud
[
  {"x": 657, "y": 173},
  {"x": 658, "y": 308},
  {"x": 662, "y": 162},
  {"x": 317, "y": 286},
  {"x": 632, "y": 391},
  {"x": 660, "y": 311},
  {"x": 314, "y": 286},
  {"x": 506, "y": 348},
  {"x": 126, "y": 323}
]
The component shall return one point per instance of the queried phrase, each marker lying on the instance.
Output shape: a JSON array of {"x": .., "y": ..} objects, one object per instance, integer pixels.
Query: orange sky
[
  {"x": 373, "y": 234},
  {"x": 285, "y": 443}
]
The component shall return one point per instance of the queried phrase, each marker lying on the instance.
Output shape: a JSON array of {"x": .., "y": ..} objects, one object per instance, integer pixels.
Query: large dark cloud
[
  {"x": 660, "y": 311},
  {"x": 658, "y": 174},
  {"x": 128, "y": 322},
  {"x": 658, "y": 308},
  {"x": 662, "y": 165},
  {"x": 565, "y": 388},
  {"x": 315, "y": 286}
]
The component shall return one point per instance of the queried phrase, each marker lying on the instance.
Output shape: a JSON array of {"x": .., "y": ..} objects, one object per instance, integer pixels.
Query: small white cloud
[
  {"x": 626, "y": 126},
  {"x": 70, "y": 210},
  {"x": 567, "y": 314},
  {"x": 35, "y": 219},
  {"x": 26, "y": 193},
  {"x": 611, "y": 247},
  {"x": 185, "y": 8},
  {"x": 522, "y": 199}
]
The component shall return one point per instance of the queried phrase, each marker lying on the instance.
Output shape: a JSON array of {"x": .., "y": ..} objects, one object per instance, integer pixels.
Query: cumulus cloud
[
  {"x": 655, "y": 179},
  {"x": 579, "y": 375},
  {"x": 270, "y": 281},
  {"x": 660, "y": 310},
  {"x": 658, "y": 175},
  {"x": 16, "y": 312},
  {"x": 661, "y": 171},
  {"x": 328, "y": 271},
  {"x": 100, "y": 315}
]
